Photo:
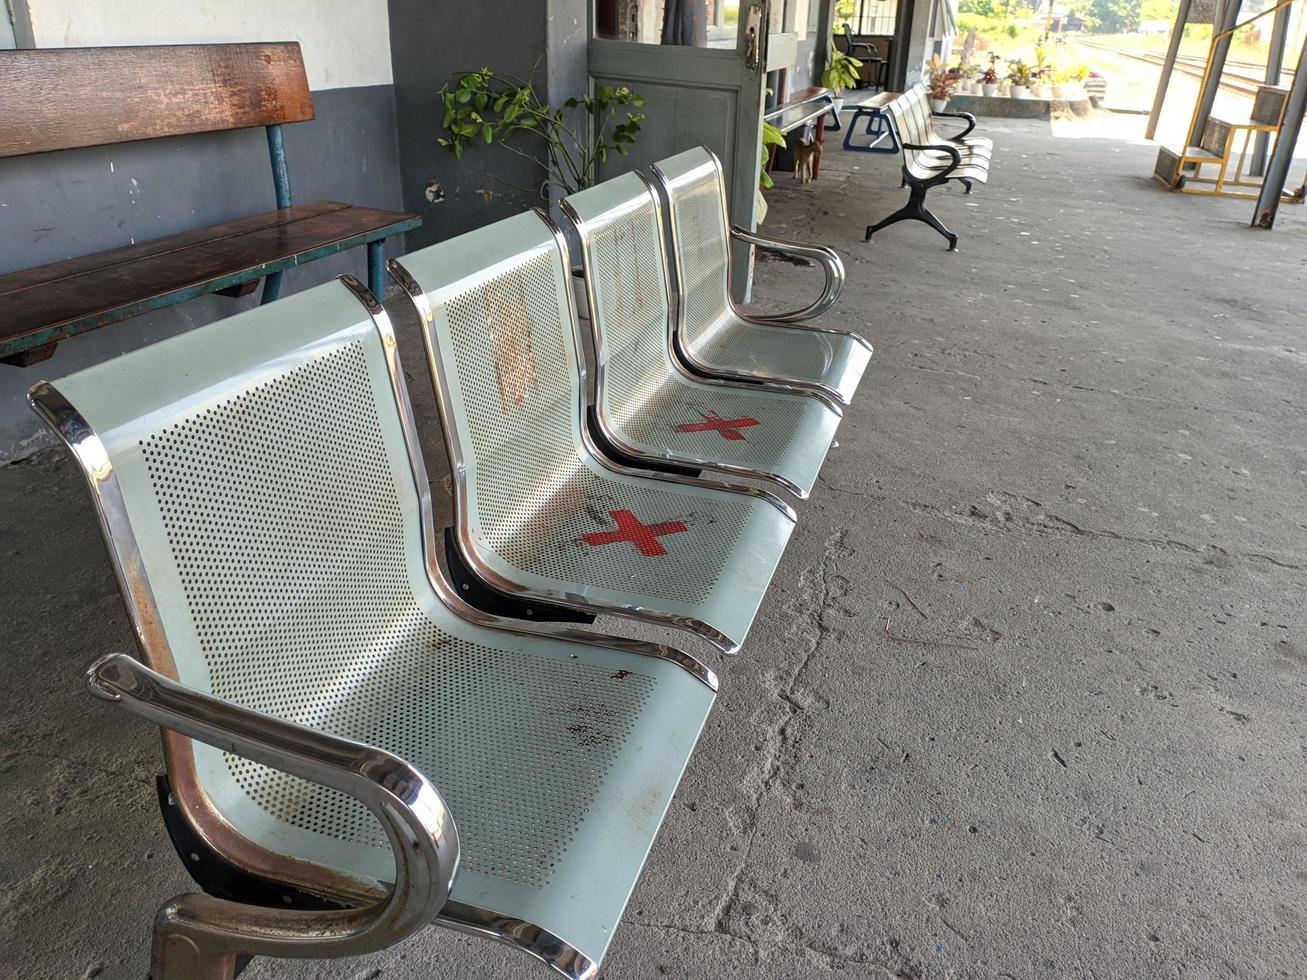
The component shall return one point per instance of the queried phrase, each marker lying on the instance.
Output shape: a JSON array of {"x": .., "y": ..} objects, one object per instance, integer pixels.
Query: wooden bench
[
  {"x": 352, "y": 752},
  {"x": 930, "y": 160},
  {"x": 61, "y": 99}
]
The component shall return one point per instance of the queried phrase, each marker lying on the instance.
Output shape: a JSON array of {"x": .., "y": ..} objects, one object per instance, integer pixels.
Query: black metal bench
[
  {"x": 930, "y": 160},
  {"x": 61, "y": 99}
]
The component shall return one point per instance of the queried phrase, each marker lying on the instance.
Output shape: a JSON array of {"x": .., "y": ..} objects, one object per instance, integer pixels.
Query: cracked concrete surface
[{"x": 1026, "y": 697}]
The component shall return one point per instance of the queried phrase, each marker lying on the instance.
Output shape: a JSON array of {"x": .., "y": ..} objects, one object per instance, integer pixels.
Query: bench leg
[
  {"x": 271, "y": 287},
  {"x": 966, "y": 182},
  {"x": 377, "y": 269},
  {"x": 915, "y": 210}
]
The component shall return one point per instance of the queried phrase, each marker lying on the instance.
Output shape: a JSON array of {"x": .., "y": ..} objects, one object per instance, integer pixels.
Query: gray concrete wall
[
  {"x": 429, "y": 42},
  {"x": 57, "y": 205}
]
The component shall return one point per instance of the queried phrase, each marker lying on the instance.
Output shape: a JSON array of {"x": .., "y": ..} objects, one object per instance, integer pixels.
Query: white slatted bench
[{"x": 930, "y": 160}]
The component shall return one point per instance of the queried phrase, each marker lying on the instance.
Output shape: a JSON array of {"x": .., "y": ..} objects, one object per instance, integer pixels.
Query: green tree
[{"x": 1115, "y": 16}]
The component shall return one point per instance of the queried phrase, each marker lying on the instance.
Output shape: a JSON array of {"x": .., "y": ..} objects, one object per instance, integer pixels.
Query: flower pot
[
  {"x": 1020, "y": 92},
  {"x": 988, "y": 90},
  {"x": 1059, "y": 91},
  {"x": 937, "y": 105},
  {"x": 1039, "y": 91},
  {"x": 836, "y": 104}
]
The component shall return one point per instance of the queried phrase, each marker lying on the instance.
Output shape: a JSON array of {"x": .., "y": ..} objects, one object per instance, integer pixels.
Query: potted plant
[
  {"x": 841, "y": 73},
  {"x": 966, "y": 73},
  {"x": 940, "y": 84},
  {"x": 1019, "y": 74},
  {"x": 1062, "y": 78},
  {"x": 1042, "y": 75},
  {"x": 485, "y": 107},
  {"x": 1078, "y": 74},
  {"x": 989, "y": 80}
]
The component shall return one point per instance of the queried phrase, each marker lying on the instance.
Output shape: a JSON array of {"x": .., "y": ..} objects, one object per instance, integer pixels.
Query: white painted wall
[{"x": 346, "y": 43}]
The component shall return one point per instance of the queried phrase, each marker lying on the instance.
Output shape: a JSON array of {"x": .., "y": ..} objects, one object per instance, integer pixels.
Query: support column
[
  {"x": 1226, "y": 17},
  {"x": 1164, "y": 82},
  {"x": 1274, "y": 63},
  {"x": 1277, "y": 170}
]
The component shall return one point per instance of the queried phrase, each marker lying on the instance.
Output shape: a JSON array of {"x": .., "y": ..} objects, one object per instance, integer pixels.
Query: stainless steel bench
[
  {"x": 352, "y": 752},
  {"x": 539, "y": 511},
  {"x": 931, "y": 160},
  {"x": 647, "y": 404},
  {"x": 713, "y": 337}
]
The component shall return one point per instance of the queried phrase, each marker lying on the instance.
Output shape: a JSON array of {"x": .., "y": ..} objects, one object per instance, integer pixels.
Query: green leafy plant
[
  {"x": 941, "y": 78},
  {"x": 1019, "y": 73},
  {"x": 841, "y": 70},
  {"x": 771, "y": 136},
  {"x": 486, "y": 107}
]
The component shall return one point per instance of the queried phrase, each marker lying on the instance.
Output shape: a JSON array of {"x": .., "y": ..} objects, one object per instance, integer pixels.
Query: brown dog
[{"x": 807, "y": 156}]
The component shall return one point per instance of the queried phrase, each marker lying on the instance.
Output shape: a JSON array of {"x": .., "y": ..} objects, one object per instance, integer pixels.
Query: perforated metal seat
[
  {"x": 716, "y": 339},
  {"x": 539, "y": 511},
  {"x": 268, "y": 514},
  {"x": 646, "y": 403}
]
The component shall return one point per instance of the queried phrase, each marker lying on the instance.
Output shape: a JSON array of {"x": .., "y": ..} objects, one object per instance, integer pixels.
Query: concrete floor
[{"x": 1026, "y": 699}]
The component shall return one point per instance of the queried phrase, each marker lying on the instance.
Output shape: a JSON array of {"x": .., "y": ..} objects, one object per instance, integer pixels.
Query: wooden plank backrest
[{"x": 60, "y": 98}]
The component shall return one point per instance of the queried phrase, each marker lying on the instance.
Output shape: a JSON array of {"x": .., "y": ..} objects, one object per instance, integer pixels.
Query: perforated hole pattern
[
  {"x": 701, "y": 241},
  {"x": 534, "y": 498},
  {"x": 712, "y": 333},
  {"x": 644, "y": 399},
  {"x": 287, "y": 532}
]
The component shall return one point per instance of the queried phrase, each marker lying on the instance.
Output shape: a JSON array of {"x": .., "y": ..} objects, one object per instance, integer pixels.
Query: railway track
[{"x": 1231, "y": 81}]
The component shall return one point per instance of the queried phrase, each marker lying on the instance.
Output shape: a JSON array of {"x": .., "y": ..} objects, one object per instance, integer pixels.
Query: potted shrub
[
  {"x": 1061, "y": 82},
  {"x": 1078, "y": 74},
  {"x": 841, "y": 73},
  {"x": 940, "y": 83},
  {"x": 1019, "y": 74},
  {"x": 989, "y": 80},
  {"x": 966, "y": 73}
]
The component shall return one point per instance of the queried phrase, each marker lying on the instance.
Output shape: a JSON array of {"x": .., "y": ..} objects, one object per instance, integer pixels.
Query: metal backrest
[
  {"x": 501, "y": 336},
  {"x": 620, "y": 223},
  {"x": 696, "y": 194},
  {"x": 260, "y": 500}
]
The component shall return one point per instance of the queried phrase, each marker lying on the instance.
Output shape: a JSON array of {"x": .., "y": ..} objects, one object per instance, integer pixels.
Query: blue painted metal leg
[
  {"x": 377, "y": 269},
  {"x": 271, "y": 287}
]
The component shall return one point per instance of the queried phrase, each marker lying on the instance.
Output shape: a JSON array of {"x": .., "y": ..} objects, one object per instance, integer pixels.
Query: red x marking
[
  {"x": 712, "y": 422},
  {"x": 643, "y": 536}
]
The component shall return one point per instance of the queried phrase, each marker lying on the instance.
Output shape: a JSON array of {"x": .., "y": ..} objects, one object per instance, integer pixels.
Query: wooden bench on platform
[{"x": 61, "y": 99}]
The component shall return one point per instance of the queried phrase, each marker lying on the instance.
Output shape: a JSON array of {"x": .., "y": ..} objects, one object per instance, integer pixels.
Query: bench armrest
[
  {"x": 194, "y": 933},
  {"x": 948, "y": 148},
  {"x": 825, "y": 257},
  {"x": 968, "y": 117}
]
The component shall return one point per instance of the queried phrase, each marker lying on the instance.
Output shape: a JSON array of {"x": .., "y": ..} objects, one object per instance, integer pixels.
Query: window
[{"x": 867, "y": 16}]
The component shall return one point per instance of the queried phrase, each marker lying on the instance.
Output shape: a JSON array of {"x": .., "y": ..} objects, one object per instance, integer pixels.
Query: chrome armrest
[
  {"x": 826, "y": 257},
  {"x": 194, "y": 935}
]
